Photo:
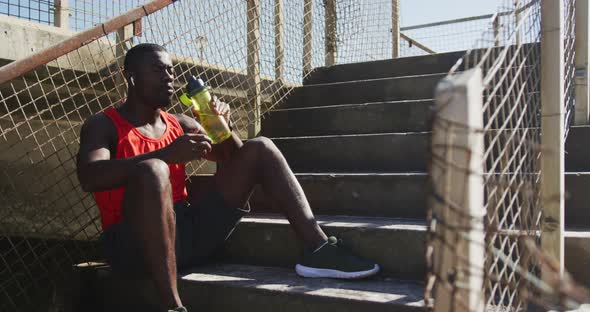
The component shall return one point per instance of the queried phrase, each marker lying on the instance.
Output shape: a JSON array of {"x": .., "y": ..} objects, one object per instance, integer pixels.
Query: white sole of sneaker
[{"x": 318, "y": 273}]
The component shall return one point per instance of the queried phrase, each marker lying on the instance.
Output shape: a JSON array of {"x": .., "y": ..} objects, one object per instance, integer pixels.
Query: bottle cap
[{"x": 194, "y": 86}]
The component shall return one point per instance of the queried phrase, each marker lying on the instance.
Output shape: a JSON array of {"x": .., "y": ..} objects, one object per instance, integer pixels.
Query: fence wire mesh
[
  {"x": 88, "y": 13},
  {"x": 569, "y": 54},
  {"x": 81, "y": 14},
  {"x": 40, "y": 11},
  {"x": 508, "y": 54},
  {"x": 446, "y": 36}
]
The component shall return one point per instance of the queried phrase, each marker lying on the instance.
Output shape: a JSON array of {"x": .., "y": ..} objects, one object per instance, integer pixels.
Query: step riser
[
  {"x": 215, "y": 297},
  {"x": 395, "y": 196},
  {"x": 577, "y": 157},
  {"x": 577, "y": 257},
  {"x": 409, "y": 116},
  {"x": 395, "y": 152},
  {"x": 577, "y": 206},
  {"x": 400, "y": 253},
  {"x": 398, "y": 196},
  {"x": 430, "y": 64},
  {"x": 380, "y": 153},
  {"x": 277, "y": 245},
  {"x": 359, "y": 92}
]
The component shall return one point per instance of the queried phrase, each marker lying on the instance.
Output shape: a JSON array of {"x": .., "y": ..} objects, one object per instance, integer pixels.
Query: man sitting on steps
[{"x": 132, "y": 157}]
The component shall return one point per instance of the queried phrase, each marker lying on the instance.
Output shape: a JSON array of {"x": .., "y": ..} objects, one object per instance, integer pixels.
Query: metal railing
[{"x": 497, "y": 166}]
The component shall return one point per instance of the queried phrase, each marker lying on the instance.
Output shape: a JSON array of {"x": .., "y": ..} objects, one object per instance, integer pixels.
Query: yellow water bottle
[{"x": 198, "y": 98}]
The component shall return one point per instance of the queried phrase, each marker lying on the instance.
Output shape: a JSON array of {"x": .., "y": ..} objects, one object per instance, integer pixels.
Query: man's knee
[
  {"x": 152, "y": 173},
  {"x": 261, "y": 145}
]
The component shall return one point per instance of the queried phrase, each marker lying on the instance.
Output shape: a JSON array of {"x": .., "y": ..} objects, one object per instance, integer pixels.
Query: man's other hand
[
  {"x": 187, "y": 147},
  {"x": 221, "y": 108}
]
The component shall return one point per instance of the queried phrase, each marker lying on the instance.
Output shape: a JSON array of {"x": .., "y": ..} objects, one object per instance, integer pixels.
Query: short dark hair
[{"x": 135, "y": 55}]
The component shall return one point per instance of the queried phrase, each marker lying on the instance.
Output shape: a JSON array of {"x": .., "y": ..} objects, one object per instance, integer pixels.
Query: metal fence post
[
  {"x": 457, "y": 173},
  {"x": 552, "y": 129},
  {"x": 279, "y": 44},
  {"x": 517, "y": 18},
  {"x": 496, "y": 25},
  {"x": 395, "y": 31},
  {"x": 307, "y": 36},
  {"x": 581, "y": 62},
  {"x": 61, "y": 14},
  {"x": 253, "y": 69},
  {"x": 331, "y": 33},
  {"x": 122, "y": 45}
]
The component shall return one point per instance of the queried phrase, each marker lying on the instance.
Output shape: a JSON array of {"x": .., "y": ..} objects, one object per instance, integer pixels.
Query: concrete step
[
  {"x": 396, "y": 245},
  {"x": 577, "y": 157},
  {"x": 232, "y": 287},
  {"x": 387, "y": 152},
  {"x": 364, "y": 91},
  {"x": 394, "y": 195},
  {"x": 577, "y": 255},
  {"x": 267, "y": 239},
  {"x": 255, "y": 288},
  {"x": 417, "y": 65},
  {"x": 397, "y": 152},
  {"x": 577, "y": 203},
  {"x": 382, "y": 117}
]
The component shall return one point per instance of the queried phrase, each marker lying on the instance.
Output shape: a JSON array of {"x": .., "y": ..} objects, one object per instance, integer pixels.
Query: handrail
[
  {"x": 448, "y": 22},
  {"x": 416, "y": 43},
  {"x": 468, "y": 19},
  {"x": 20, "y": 67}
]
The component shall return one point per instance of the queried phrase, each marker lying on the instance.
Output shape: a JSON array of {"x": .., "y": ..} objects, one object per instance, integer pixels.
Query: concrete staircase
[{"x": 356, "y": 135}]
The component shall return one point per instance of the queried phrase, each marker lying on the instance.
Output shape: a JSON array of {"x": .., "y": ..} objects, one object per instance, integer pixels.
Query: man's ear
[{"x": 129, "y": 76}]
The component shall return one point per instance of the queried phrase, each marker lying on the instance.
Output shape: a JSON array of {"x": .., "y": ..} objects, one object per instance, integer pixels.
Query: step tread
[
  {"x": 374, "y": 135},
  {"x": 413, "y": 65},
  {"x": 577, "y": 233},
  {"x": 319, "y": 85},
  {"x": 272, "y": 279},
  {"x": 343, "y": 174},
  {"x": 347, "y": 106},
  {"x": 345, "y": 222}
]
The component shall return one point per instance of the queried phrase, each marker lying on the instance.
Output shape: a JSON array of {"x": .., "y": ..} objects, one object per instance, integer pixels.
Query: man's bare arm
[
  {"x": 97, "y": 170},
  {"x": 219, "y": 152}
]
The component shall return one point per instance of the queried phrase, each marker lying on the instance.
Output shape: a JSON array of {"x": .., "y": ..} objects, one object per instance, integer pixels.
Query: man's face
[{"x": 153, "y": 79}]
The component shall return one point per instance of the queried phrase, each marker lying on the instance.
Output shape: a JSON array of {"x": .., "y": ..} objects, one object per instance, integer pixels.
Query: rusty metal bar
[
  {"x": 20, "y": 67},
  {"x": 416, "y": 43}
]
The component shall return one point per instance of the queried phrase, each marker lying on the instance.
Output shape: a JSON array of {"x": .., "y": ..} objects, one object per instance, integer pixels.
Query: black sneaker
[
  {"x": 331, "y": 260},
  {"x": 179, "y": 309}
]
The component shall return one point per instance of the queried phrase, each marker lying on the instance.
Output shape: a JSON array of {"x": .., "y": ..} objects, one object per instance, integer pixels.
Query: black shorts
[{"x": 201, "y": 229}]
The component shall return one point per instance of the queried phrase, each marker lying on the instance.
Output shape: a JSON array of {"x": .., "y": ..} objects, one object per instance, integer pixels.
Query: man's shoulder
[
  {"x": 99, "y": 123},
  {"x": 186, "y": 122}
]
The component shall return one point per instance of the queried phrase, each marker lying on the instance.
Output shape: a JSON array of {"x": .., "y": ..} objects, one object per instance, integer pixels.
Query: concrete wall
[{"x": 21, "y": 38}]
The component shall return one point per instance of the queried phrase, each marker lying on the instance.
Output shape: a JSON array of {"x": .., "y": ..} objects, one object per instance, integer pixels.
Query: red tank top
[{"x": 131, "y": 143}]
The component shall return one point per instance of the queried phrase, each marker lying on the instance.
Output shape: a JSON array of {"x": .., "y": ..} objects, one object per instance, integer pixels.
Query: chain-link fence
[
  {"x": 507, "y": 167},
  {"x": 79, "y": 14},
  {"x": 460, "y": 34},
  {"x": 40, "y": 11}
]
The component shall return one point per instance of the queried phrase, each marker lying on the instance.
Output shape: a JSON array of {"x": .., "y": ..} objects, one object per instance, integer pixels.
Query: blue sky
[{"x": 427, "y": 11}]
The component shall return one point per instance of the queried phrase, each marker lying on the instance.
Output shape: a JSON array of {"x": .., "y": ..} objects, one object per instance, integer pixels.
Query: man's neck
[{"x": 138, "y": 113}]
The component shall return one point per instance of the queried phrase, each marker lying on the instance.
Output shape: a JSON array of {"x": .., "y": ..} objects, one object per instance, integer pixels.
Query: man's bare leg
[
  {"x": 260, "y": 162},
  {"x": 148, "y": 208}
]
